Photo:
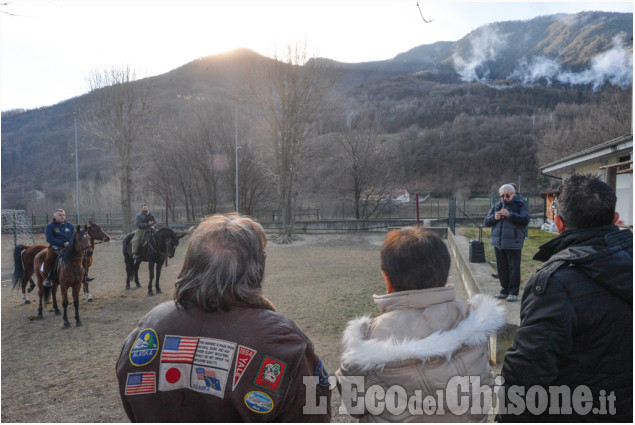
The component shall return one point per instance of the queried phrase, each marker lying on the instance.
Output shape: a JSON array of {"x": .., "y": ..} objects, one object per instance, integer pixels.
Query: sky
[{"x": 47, "y": 49}]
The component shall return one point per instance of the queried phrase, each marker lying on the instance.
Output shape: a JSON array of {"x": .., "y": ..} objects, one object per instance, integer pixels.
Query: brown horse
[
  {"x": 95, "y": 233},
  {"x": 23, "y": 270},
  {"x": 70, "y": 274}
]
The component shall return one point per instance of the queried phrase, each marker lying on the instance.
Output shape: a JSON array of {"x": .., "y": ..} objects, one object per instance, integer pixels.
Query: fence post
[
  {"x": 15, "y": 230},
  {"x": 452, "y": 215},
  {"x": 417, "y": 202}
]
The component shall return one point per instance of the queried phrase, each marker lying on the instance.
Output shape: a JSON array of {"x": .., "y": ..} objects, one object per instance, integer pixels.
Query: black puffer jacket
[
  {"x": 509, "y": 232},
  {"x": 577, "y": 323}
]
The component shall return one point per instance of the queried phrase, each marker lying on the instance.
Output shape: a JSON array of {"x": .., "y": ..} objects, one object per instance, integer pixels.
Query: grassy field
[{"x": 527, "y": 265}]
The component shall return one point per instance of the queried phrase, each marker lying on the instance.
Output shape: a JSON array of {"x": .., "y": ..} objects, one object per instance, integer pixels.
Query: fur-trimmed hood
[{"x": 485, "y": 318}]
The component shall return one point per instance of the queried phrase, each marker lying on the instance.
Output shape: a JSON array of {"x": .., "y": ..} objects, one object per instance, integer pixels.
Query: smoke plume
[
  {"x": 614, "y": 66},
  {"x": 484, "y": 48}
]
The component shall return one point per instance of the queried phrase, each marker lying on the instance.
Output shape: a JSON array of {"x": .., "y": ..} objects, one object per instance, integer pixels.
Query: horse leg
[
  {"x": 40, "y": 293},
  {"x": 24, "y": 282},
  {"x": 137, "y": 264},
  {"x": 25, "y": 279},
  {"x": 31, "y": 286},
  {"x": 156, "y": 282},
  {"x": 54, "y": 291},
  {"x": 151, "y": 272},
  {"x": 89, "y": 298},
  {"x": 78, "y": 322},
  {"x": 129, "y": 268},
  {"x": 65, "y": 305}
]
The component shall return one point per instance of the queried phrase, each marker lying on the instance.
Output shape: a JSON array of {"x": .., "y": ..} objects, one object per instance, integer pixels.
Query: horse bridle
[{"x": 81, "y": 257}]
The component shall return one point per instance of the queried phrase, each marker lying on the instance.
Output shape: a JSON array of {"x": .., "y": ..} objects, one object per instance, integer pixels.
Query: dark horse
[
  {"x": 70, "y": 274},
  {"x": 160, "y": 246},
  {"x": 95, "y": 233},
  {"x": 23, "y": 269}
]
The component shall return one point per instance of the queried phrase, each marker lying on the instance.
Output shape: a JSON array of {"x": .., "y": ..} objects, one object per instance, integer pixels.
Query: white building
[{"x": 612, "y": 161}]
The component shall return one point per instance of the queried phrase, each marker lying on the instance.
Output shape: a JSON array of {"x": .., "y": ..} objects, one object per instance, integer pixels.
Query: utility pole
[
  {"x": 236, "y": 146},
  {"x": 76, "y": 165}
]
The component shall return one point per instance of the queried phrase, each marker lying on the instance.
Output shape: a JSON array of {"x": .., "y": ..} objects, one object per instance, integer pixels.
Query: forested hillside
[{"x": 450, "y": 119}]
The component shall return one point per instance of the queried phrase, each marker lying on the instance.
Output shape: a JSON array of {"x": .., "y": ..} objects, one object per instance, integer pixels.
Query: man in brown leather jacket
[{"x": 220, "y": 352}]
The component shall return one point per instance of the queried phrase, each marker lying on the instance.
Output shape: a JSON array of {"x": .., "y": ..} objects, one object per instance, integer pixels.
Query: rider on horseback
[
  {"x": 145, "y": 220},
  {"x": 58, "y": 234}
]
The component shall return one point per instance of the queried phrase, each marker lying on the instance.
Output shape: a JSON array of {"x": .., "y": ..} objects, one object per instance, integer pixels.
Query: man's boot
[{"x": 47, "y": 282}]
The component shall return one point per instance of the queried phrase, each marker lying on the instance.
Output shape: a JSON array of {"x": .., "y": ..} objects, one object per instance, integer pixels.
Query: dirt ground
[{"x": 51, "y": 374}]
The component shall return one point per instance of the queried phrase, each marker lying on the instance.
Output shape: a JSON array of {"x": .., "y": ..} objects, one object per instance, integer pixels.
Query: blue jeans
[{"x": 508, "y": 264}]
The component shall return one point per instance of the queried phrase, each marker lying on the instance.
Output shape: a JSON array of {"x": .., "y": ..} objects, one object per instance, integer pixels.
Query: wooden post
[{"x": 417, "y": 202}]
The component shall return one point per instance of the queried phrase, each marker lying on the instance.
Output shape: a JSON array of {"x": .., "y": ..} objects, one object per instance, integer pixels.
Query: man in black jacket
[{"x": 572, "y": 357}]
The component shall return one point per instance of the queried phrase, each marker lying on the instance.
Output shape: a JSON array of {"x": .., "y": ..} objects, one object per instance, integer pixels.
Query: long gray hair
[{"x": 224, "y": 264}]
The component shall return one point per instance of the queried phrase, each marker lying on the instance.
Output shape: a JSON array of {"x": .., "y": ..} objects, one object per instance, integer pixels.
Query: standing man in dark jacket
[
  {"x": 58, "y": 234},
  {"x": 576, "y": 330},
  {"x": 508, "y": 219},
  {"x": 220, "y": 352},
  {"x": 144, "y": 221}
]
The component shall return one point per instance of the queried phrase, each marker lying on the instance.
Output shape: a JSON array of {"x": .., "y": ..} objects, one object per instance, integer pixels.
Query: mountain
[
  {"x": 523, "y": 51},
  {"x": 507, "y": 68}
]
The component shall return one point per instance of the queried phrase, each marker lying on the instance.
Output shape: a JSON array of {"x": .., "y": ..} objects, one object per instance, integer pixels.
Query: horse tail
[
  {"x": 18, "y": 267},
  {"x": 47, "y": 294}
]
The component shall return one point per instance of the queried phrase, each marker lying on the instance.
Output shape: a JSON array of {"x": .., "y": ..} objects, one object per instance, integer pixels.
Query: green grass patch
[{"x": 528, "y": 265}]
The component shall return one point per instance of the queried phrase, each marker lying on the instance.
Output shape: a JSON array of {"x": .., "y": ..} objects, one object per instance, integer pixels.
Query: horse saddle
[{"x": 145, "y": 238}]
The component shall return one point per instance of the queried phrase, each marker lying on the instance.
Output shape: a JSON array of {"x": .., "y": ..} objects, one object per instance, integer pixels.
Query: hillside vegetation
[{"x": 450, "y": 119}]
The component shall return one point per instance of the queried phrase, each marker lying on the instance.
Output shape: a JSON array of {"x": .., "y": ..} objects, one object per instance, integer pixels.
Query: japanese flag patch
[{"x": 270, "y": 373}]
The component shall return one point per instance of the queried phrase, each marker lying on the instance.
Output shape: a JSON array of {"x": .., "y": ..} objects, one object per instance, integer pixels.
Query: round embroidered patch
[
  {"x": 258, "y": 402},
  {"x": 145, "y": 348}
]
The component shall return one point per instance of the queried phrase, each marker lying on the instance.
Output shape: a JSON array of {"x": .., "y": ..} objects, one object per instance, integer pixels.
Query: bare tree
[
  {"x": 118, "y": 115},
  {"x": 360, "y": 141},
  {"x": 571, "y": 128},
  {"x": 290, "y": 92}
]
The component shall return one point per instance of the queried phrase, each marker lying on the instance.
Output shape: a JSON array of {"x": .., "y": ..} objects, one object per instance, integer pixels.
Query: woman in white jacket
[{"x": 425, "y": 358}]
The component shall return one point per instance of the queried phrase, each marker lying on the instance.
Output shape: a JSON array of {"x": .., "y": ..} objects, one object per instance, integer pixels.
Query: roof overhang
[{"x": 611, "y": 147}]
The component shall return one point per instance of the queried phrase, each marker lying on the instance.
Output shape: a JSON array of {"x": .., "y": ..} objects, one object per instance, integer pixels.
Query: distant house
[
  {"x": 396, "y": 196},
  {"x": 612, "y": 161},
  {"x": 400, "y": 196}
]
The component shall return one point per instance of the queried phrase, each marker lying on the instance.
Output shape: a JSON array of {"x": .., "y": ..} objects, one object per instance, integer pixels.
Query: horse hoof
[
  {"x": 40, "y": 317},
  {"x": 27, "y": 302},
  {"x": 159, "y": 291},
  {"x": 78, "y": 324},
  {"x": 90, "y": 279},
  {"x": 90, "y": 300},
  {"x": 127, "y": 286},
  {"x": 150, "y": 293},
  {"x": 138, "y": 285},
  {"x": 67, "y": 325},
  {"x": 57, "y": 312}
]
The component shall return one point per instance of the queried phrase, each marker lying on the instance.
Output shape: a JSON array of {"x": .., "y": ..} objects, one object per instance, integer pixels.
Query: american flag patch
[
  {"x": 177, "y": 349},
  {"x": 141, "y": 383}
]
